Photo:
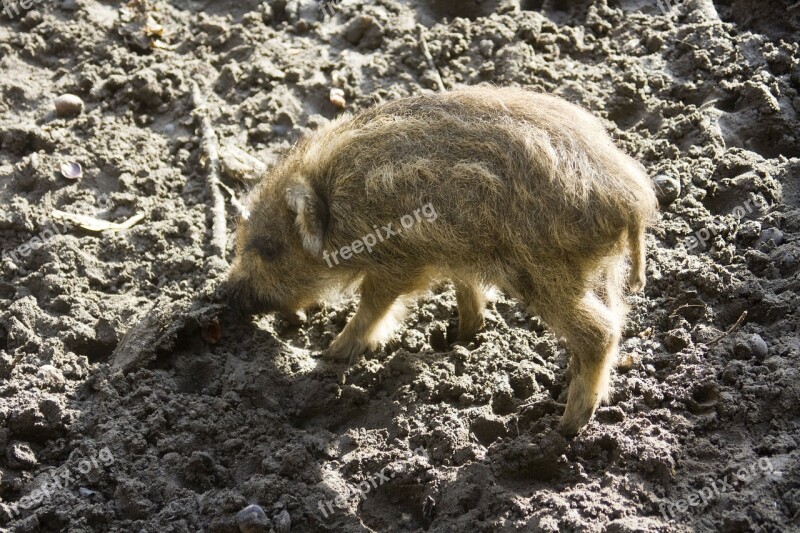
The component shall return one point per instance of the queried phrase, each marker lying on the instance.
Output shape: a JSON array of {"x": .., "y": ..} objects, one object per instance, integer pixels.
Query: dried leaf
[{"x": 96, "y": 224}]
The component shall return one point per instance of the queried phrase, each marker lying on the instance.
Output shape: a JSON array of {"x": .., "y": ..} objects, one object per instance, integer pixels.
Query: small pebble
[
  {"x": 486, "y": 47},
  {"x": 668, "y": 189},
  {"x": 68, "y": 105},
  {"x": 252, "y": 519},
  {"x": 751, "y": 346},
  {"x": 759, "y": 347}
]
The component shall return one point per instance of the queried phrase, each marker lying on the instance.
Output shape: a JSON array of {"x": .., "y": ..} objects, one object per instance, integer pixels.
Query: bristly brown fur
[{"x": 531, "y": 195}]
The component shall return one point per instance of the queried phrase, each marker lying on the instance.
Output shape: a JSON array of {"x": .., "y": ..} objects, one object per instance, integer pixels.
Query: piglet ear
[{"x": 311, "y": 215}]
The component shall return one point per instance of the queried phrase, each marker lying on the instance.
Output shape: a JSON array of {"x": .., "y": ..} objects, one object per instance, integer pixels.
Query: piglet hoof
[
  {"x": 345, "y": 349},
  {"x": 455, "y": 337},
  {"x": 572, "y": 421},
  {"x": 568, "y": 430}
]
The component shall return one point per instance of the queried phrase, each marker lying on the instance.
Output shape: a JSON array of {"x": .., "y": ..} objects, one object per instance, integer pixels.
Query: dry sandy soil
[{"x": 121, "y": 410}]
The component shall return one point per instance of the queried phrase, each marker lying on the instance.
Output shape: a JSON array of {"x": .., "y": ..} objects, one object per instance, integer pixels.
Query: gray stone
[
  {"x": 253, "y": 519},
  {"x": 758, "y": 347},
  {"x": 668, "y": 189},
  {"x": 750, "y": 346}
]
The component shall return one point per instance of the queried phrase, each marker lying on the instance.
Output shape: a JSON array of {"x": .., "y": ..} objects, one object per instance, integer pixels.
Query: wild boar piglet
[{"x": 483, "y": 186}]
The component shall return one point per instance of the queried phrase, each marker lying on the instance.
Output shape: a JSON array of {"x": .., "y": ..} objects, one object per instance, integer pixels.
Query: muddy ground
[{"x": 169, "y": 430}]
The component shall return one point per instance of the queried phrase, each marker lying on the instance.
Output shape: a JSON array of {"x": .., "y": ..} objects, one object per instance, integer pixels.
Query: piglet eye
[{"x": 267, "y": 249}]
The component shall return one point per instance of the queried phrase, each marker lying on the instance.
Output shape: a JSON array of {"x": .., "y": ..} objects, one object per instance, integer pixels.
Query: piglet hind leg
[
  {"x": 591, "y": 328},
  {"x": 592, "y": 332},
  {"x": 471, "y": 304},
  {"x": 363, "y": 331}
]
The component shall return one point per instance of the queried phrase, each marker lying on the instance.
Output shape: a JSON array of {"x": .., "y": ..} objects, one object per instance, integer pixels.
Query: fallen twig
[
  {"x": 427, "y": 53},
  {"x": 731, "y": 329},
  {"x": 209, "y": 146}
]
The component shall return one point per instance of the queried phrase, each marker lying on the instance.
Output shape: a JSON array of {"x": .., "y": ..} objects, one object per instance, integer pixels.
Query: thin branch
[
  {"x": 209, "y": 147},
  {"x": 731, "y": 329},
  {"x": 427, "y": 53}
]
